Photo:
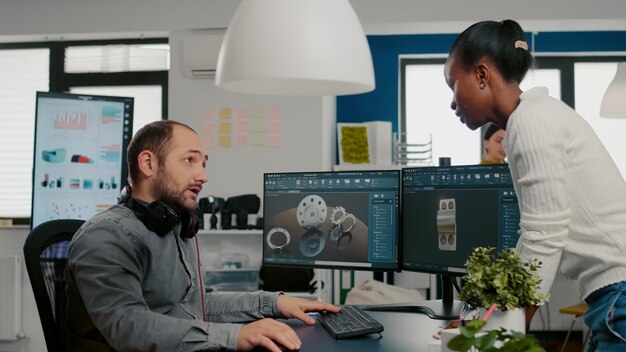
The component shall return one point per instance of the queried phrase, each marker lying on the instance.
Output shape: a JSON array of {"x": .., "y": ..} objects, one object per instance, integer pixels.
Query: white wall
[{"x": 306, "y": 123}]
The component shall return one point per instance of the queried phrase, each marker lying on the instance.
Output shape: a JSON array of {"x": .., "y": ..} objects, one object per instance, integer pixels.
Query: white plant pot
[{"x": 512, "y": 320}]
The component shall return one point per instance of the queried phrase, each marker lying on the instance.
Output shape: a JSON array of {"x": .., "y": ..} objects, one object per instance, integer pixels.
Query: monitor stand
[{"x": 442, "y": 309}]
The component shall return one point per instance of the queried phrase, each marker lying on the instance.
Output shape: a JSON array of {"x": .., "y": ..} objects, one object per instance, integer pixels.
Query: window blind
[{"x": 22, "y": 73}]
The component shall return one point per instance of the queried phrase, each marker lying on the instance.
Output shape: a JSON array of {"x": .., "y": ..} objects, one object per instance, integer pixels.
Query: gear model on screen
[
  {"x": 277, "y": 238},
  {"x": 446, "y": 224},
  {"x": 311, "y": 212},
  {"x": 341, "y": 221}
]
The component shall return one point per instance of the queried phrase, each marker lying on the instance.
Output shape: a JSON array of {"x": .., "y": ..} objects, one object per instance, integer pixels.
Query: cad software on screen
[{"x": 332, "y": 219}]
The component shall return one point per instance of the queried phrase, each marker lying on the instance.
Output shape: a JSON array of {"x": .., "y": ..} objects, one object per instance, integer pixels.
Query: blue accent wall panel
[
  {"x": 580, "y": 41},
  {"x": 382, "y": 103}
]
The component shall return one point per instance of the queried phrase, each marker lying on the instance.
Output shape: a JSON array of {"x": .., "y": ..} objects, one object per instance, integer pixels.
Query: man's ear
[{"x": 147, "y": 163}]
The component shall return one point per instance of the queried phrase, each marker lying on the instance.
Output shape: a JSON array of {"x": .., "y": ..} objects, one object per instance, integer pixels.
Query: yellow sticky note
[
  {"x": 225, "y": 127},
  {"x": 225, "y": 141},
  {"x": 226, "y": 113}
]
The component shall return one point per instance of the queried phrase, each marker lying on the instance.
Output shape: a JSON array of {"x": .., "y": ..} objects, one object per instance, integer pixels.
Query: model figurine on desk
[{"x": 133, "y": 270}]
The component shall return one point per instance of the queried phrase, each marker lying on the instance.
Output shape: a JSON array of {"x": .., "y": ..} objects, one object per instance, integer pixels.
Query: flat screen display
[
  {"x": 332, "y": 219},
  {"x": 79, "y": 163},
  {"x": 447, "y": 211}
]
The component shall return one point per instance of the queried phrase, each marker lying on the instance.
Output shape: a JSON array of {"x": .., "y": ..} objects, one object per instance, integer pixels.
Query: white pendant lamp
[
  {"x": 295, "y": 47},
  {"x": 614, "y": 100}
]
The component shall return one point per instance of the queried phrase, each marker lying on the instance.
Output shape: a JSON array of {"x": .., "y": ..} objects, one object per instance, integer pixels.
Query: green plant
[
  {"x": 494, "y": 340},
  {"x": 501, "y": 279}
]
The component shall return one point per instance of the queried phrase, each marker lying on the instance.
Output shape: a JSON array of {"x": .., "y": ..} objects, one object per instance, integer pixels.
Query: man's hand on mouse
[
  {"x": 267, "y": 333},
  {"x": 294, "y": 307}
]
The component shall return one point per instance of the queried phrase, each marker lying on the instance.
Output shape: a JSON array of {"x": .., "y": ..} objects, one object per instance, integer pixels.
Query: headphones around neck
[{"x": 158, "y": 217}]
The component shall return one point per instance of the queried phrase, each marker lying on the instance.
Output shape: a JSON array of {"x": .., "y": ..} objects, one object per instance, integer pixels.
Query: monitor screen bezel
[
  {"x": 92, "y": 97},
  {"x": 403, "y": 234},
  {"x": 396, "y": 267}
]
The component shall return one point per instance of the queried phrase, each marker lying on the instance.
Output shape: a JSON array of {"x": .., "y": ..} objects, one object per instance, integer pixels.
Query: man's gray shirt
[{"x": 129, "y": 289}]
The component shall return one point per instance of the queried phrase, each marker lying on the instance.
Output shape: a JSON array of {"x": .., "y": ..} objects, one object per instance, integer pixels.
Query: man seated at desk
[{"x": 133, "y": 270}]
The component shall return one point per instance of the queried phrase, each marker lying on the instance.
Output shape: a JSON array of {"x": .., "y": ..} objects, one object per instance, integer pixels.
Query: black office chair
[{"x": 45, "y": 256}]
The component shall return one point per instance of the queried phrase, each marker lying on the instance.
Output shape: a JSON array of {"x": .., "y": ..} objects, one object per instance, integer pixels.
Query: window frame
[
  {"x": 564, "y": 63},
  {"x": 60, "y": 81}
]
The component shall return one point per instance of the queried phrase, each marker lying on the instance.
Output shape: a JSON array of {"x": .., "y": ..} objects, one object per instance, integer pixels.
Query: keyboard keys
[{"x": 351, "y": 321}]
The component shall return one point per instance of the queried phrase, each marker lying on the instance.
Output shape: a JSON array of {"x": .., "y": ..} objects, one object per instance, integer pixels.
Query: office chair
[{"x": 45, "y": 256}]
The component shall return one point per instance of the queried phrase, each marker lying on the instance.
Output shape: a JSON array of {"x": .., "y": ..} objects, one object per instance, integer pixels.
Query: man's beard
[{"x": 165, "y": 190}]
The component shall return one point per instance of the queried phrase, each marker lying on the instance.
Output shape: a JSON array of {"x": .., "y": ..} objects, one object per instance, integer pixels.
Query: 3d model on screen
[
  {"x": 277, "y": 238},
  {"x": 446, "y": 224},
  {"x": 311, "y": 212},
  {"x": 312, "y": 243},
  {"x": 342, "y": 222},
  {"x": 53, "y": 156}
]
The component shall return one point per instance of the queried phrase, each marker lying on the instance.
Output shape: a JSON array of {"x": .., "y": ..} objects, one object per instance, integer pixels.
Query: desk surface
[{"x": 403, "y": 332}]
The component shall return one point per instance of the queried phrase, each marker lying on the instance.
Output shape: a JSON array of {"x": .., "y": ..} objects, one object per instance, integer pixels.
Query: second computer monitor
[
  {"x": 448, "y": 211},
  {"x": 332, "y": 219}
]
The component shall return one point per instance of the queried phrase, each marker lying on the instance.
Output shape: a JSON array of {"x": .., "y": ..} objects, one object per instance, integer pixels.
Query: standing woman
[{"x": 572, "y": 197}]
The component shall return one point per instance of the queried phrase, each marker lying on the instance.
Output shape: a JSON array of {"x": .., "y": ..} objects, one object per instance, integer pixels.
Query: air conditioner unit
[{"x": 200, "y": 55}]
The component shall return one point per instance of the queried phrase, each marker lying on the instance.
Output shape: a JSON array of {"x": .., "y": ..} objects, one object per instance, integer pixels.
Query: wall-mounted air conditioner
[{"x": 200, "y": 55}]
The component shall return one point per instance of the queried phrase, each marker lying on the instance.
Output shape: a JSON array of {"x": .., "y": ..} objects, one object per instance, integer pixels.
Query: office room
[{"x": 577, "y": 46}]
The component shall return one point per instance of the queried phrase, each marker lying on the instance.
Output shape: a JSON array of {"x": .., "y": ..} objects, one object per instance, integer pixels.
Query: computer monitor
[
  {"x": 447, "y": 211},
  {"x": 79, "y": 162},
  {"x": 341, "y": 220}
]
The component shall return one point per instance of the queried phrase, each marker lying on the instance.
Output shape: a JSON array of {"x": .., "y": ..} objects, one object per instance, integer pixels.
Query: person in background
[
  {"x": 133, "y": 270},
  {"x": 492, "y": 143},
  {"x": 572, "y": 197}
]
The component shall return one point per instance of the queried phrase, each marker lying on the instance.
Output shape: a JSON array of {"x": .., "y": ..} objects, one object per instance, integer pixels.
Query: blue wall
[{"x": 382, "y": 103}]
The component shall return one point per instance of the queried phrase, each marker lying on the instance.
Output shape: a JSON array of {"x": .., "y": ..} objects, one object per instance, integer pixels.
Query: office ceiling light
[
  {"x": 614, "y": 100},
  {"x": 288, "y": 47}
]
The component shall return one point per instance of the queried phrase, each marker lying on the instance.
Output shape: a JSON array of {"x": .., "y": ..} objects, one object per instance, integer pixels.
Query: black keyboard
[{"x": 349, "y": 322}]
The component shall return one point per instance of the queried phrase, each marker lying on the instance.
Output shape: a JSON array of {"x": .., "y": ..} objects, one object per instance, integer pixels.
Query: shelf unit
[{"x": 250, "y": 242}]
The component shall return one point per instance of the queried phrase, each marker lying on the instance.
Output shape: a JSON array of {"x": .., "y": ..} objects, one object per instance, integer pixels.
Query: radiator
[{"x": 10, "y": 297}]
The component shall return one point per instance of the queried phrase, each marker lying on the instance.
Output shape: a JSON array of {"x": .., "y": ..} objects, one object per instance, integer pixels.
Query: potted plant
[
  {"x": 504, "y": 280},
  {"x": 495, "y": 340}
]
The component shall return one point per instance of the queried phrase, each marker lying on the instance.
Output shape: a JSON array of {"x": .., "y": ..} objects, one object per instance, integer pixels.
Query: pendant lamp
[
  {"x": 295, "y": 47},
  {"x": 614, "y": 100}
]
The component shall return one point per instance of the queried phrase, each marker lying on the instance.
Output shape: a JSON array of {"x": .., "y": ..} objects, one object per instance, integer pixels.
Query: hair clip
[{"x": 520, "y": 44}]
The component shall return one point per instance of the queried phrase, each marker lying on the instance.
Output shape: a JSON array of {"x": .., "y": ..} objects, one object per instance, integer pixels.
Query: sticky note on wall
[{"x": 225, "y": 127}]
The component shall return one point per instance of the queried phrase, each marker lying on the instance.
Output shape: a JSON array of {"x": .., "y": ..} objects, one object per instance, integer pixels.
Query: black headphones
[{"x": 158, "y": 217}]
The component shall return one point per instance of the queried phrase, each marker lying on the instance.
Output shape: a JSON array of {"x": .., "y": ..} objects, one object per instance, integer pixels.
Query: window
[
  {"x": 591, "y": 81},
  {"x": 136, "y": 68},
  {"x": 578, "y": 81},
  {"x": 426, "y": 109},
  {"x": 23, "y": 72}
]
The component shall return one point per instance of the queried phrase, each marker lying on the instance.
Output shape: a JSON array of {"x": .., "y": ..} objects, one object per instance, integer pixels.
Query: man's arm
[{"x": 109, "y": 268}]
